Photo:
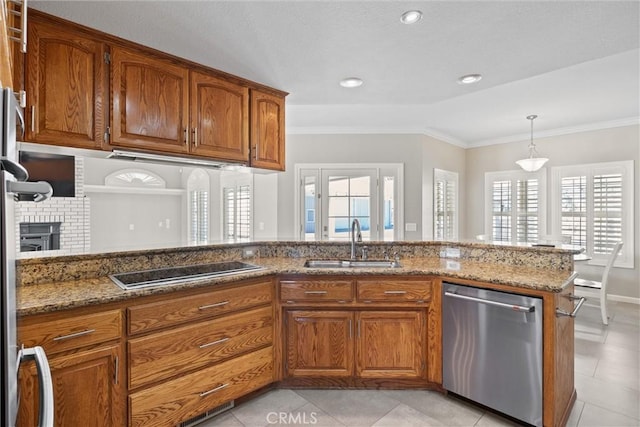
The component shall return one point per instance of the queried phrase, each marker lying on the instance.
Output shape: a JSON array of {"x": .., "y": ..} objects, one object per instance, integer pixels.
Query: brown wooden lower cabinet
[
  {"x": 371, "y": 344},
  {"x": 180, "y": 399},
  {"x": 87, "y": 386}
]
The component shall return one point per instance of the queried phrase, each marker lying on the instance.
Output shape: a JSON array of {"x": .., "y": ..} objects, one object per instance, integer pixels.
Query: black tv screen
[{"x": 56, "y": 169}]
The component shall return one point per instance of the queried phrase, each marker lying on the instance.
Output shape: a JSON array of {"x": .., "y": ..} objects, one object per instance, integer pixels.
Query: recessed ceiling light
[
  {"x": 351, "y": 82},
  {"x": 469, "y": 78},
  {"x": 411, "y": 17}
]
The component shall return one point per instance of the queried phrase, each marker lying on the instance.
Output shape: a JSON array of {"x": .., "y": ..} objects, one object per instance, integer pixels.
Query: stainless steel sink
[{"x": 351, "y": 263}]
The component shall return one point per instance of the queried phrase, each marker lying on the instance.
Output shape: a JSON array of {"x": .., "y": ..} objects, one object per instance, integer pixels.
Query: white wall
[
  {"x": 419, "y": 154},
  {"x": 605, "y": 145}
]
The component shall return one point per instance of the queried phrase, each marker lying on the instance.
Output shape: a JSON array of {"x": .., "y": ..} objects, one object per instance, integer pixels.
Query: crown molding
[{"x": 629, "y": 121}]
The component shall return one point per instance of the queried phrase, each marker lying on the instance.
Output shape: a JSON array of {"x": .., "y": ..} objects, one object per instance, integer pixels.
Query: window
[
  {"x": 515, "y": 206},
  {"x": 594, "y": 205},
  {"x": 445, "y": 205},
  {"x": 198, "y": 185},
  {"x": 330, "y": 197},
  {"x": 237, "y": 212}
]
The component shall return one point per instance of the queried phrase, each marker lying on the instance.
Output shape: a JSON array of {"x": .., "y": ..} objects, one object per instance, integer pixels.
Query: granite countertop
[{"x": 49, "y": 297}]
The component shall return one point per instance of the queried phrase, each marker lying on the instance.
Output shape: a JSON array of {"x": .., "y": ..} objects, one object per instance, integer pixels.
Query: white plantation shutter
[
  {"x": 199, "y": 200},
  {"x": 528, "y": 208},
  {"x": 501, "y": 218},
  {"x": 516, "y": 206},
  {"x": 445, "y": 215},
  {"x": 594, "y": 204},
  {"x": 237, "y": 212},
  {"x": 607, "y": 212},
  {"x": 574, "y": 209}
]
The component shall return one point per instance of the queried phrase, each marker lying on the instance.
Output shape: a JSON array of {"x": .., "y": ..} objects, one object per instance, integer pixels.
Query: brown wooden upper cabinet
[
  {"x": 65, "y": 81},
  {"x": 267, "y": 131},
  {"x": 219, "y": 118},
  {"x": 159, "y": 103},
  {"x": 150, "y": 102}
]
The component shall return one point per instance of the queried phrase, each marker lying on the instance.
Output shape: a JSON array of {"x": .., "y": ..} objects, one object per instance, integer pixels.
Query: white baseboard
[
  {"x": 611, "y": 297},
  {"x": 622, "y": 298}
]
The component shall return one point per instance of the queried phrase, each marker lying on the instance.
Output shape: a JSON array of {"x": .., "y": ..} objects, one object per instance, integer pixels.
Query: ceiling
[{"x": 576, "y": 64}]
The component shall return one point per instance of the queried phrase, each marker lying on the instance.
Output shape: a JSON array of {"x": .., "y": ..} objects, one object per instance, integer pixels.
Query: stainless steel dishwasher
[{"x": 492, "y": 349}]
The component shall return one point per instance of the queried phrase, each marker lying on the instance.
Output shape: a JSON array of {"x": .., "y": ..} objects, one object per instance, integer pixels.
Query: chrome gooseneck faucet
[{"x": 355, "y": 224}]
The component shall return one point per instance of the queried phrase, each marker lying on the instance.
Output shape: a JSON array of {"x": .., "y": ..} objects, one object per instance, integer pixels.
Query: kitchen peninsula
[{"x": 166, "y": 354}]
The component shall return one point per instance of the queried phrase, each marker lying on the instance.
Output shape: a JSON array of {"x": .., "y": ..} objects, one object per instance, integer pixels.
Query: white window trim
[
  {"x": 625, "y": 260},
  {"x": 443, "y": 175},
  {"x": 398, "y": 207},
  {"x": 515, "y": 175}
]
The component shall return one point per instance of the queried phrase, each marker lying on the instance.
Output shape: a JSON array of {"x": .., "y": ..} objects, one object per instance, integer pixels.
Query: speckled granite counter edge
[{"x": 77, "y": 267}]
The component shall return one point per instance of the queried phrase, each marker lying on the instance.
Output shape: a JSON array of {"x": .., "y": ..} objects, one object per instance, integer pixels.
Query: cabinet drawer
[
  {"x": 148, "y": 317},
  {"x": 316, "y": 290},
  {"x": 164, "y": 354},
  {"x": 177, "y": 400},
  {"x": 73, "y": 332},
  {"x": 394, "y": 290}
]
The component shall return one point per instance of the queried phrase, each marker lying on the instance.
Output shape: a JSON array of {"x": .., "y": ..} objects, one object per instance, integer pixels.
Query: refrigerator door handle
[
  {"x": 45, "y": 384},
  {"x": 40, "y": 190},
  {"x": 15, "y": 169}
]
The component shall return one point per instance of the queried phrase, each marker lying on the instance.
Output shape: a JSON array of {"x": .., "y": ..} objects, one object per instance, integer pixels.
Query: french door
[{"x": 331, "y": 198}]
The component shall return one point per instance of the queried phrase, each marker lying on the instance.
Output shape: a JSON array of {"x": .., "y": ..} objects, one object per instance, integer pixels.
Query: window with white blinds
[
  {"x": 237, "y": 212},
  {"x": 445, "y": 205},
  {"x": 198, "y": 186},
  {"x": 515, "y": 206},
  {"x": 594, "y": 205}
]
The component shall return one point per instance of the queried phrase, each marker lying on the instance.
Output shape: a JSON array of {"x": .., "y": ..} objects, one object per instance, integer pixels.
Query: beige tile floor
[{"x": 607, "y": 372}]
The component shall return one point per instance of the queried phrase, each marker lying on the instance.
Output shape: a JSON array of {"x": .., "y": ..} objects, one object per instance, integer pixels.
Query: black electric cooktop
[{"x": 175, "y": 275}]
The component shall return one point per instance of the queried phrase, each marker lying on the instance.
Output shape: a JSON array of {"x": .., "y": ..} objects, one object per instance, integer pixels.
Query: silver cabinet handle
[
  {"x": 315, "y": 292},
  {"x": 561, "y": 312},
  {"x": 209, "y": 344},
  {"x": 186, "y": 136},
  {"x": 513, "y": 307},
  {"x": 218, "y": 304},
  {"x": 44, "y": 381},
  {"x": 213, "y": 390},
  {"x": 395, "y": 292},
  {"x": 74, "y": 335},
  {"x": 195, "y": 137},
  {"x": 33, "y": 118}
]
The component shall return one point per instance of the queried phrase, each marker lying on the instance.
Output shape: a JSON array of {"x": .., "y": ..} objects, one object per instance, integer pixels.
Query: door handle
[
  {"x": 44, "y": 380},
  {"x": 513, "y": 307}
]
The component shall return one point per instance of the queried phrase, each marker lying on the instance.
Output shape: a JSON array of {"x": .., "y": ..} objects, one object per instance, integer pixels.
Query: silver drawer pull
[
  {"x": 74, "y": 335},
  {"x": 315, "y": 292},
  {"x": 213, "y": 390},
  {"x": 395, "y": 292},
  {"x": 218, "y": 304},
  {"x": 209, "y": 344}
]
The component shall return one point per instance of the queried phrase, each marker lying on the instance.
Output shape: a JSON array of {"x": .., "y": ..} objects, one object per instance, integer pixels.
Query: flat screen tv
[{"x": 56, "y": 169}]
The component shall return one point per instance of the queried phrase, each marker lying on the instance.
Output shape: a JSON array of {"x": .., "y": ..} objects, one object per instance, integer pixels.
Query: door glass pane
[
  {"x": 348, "y": 198},
  {"x": 388, "y": 208},
  {"x": 310, "y": 208}
]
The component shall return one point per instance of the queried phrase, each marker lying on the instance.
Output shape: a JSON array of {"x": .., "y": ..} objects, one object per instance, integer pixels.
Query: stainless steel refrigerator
[{"x": 13, "y": 183}]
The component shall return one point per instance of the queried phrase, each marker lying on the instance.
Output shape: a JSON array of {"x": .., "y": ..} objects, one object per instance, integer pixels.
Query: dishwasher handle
[{"x": 514, "y": 307}]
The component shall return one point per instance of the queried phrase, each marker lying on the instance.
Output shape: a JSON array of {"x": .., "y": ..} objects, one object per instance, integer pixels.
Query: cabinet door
[
  {"x": 65, "y": 84},
  {"x": 390, "y": 344},
  {"x": 319, "y": 343},
  {"x": 87, "y": 388},
  {"x": 219, "y": 118},
  {"x": 267, "y": 131},
  {"x": 150, "y": 101}
]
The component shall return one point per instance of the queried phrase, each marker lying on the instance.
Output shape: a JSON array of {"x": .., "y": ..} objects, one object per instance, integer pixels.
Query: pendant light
[{"x": 533, "y": 162}]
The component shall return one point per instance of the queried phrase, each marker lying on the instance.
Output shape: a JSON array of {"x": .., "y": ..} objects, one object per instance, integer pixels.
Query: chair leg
[{"x": 603, "y": 309}]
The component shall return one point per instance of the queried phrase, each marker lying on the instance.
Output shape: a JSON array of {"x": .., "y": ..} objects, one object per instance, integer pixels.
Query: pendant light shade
[{"x": 533, "y": 162}]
